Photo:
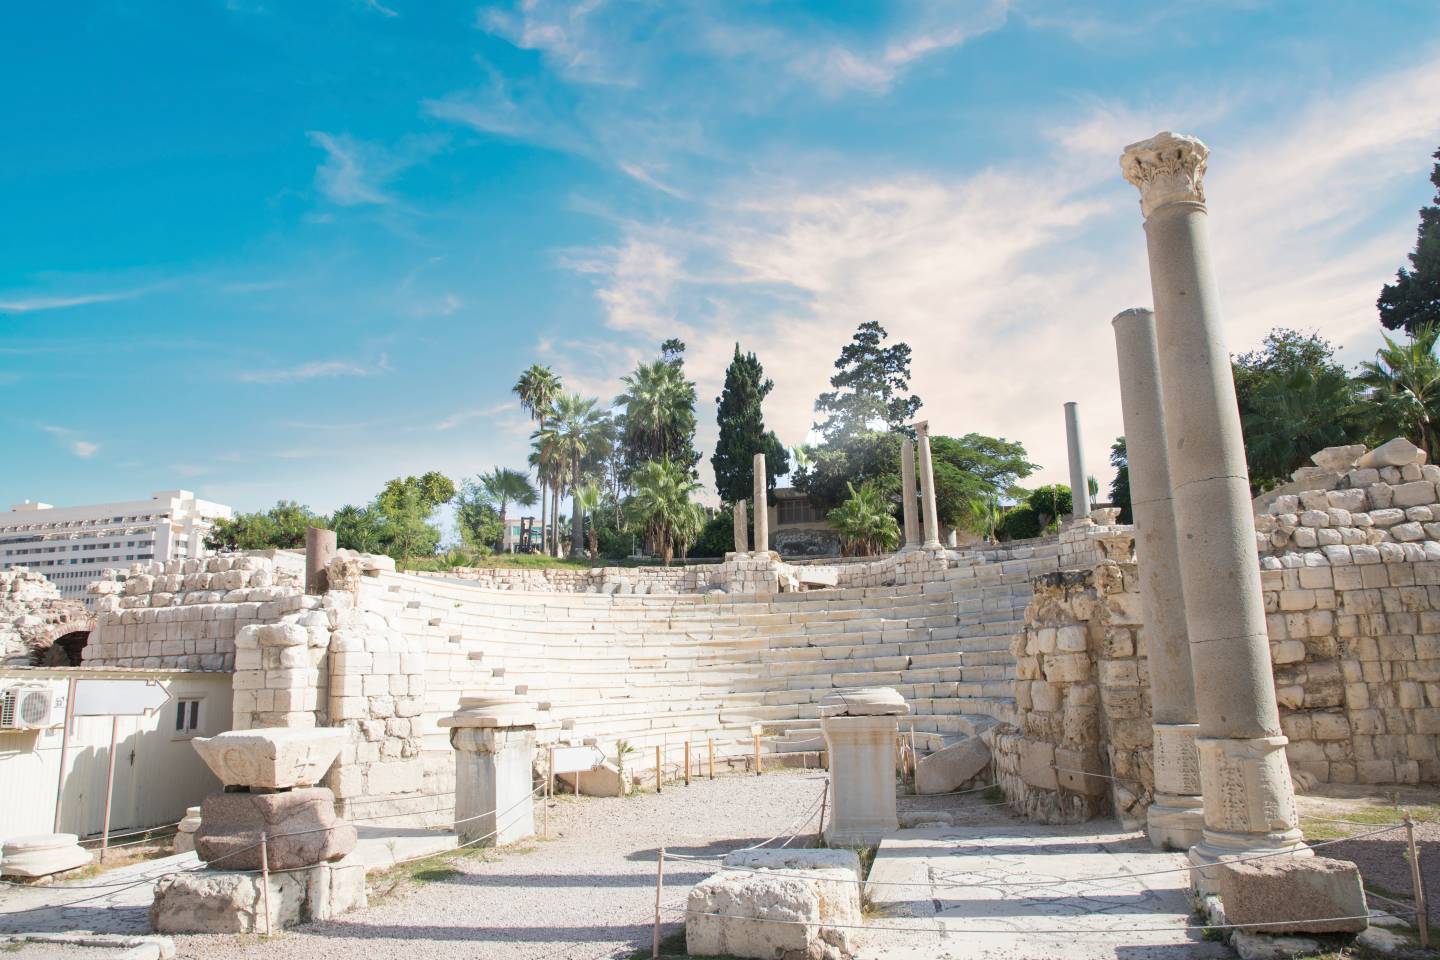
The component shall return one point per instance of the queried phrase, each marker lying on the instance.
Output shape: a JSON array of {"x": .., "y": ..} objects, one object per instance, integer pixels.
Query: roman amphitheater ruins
[{"x": 1080, "y": 672}]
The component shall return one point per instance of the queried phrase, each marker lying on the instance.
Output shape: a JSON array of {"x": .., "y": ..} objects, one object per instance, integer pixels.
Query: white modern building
[{"x": 71, "y": 545}]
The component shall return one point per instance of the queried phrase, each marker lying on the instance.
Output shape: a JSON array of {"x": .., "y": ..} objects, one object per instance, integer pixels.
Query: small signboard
[
  {"x": 118, "y": 698},
  {"x": 577, "y": 759}
]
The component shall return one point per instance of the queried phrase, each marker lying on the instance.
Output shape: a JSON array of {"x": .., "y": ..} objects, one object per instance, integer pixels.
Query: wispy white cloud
[
  {"x": 315, "y": 370},
  {"x": 454, "y": 420},
  {"x": 72, "y": 441},
  {"x": 38, "y": 302},
  {"x": 355, "y": 173},
  {"x": 379, "y": 8}
]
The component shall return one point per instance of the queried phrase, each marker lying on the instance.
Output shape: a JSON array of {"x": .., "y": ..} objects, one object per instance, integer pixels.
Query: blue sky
[{"x": 264, "y": 250}]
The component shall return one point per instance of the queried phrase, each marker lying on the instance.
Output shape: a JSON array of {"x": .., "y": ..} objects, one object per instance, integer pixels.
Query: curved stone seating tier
[{"x": 661, "y": 668}]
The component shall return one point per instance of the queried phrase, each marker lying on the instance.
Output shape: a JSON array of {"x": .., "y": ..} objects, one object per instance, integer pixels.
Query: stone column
[
  {"x": 1079, "y": 479},
  {"x": 762, "y": 507},
  {"x": 860, "y": 728},
  {"x": 494, "y": 741},
  {"x": 1249, "y": 799},
  {"x": 1175, "y": 817},
  {"x": 908, "y": 502},
  {"x": 319, "y": 551},
  {"x": 742, "y": 529},
  {"x": 927, "y": 488}
]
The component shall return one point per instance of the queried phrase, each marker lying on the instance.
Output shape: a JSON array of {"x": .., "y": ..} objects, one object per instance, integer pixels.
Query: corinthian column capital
[{"x": 1166, "y": 168}]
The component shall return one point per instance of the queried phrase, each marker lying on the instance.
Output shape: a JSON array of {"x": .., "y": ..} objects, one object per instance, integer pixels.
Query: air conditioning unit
[{"x": 27, "y": 706}]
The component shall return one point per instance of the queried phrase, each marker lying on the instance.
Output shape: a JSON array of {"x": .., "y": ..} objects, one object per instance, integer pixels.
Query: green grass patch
[{"x": 1325, "y": 828}]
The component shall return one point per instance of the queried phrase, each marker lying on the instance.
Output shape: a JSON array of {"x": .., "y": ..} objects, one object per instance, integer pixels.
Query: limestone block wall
[
  {"x": 185, "y": 614},
  {"x": 1083, "y": 744}
]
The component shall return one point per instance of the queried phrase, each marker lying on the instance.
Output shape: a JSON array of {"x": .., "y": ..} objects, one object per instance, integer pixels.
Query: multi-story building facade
[{"x": 71, "y": 545}]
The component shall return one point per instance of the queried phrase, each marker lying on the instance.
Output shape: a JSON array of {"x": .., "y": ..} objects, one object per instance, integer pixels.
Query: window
[
  {"x": 187, "y": 716},
  {"x": 795, "y": 510}
]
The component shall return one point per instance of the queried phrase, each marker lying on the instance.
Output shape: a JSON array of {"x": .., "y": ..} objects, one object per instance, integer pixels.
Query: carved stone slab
[{"x": 272, "y": 758}]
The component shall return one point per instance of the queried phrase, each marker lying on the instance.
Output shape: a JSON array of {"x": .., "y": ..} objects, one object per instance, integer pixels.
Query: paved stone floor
[{"x": 1014, "y": 892}]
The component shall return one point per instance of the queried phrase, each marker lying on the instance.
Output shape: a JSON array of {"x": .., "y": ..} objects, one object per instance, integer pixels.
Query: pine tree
[
  {"x": 1413, "y": 300},
  {"x": 872, "y": 386},
  {"x": 742, "y": 430}
]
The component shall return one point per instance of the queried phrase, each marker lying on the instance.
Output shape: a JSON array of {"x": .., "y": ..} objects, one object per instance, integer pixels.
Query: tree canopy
[
  {"x": 871, "y": 387},
  {"x": 658, "y": 419},
  {"x": 742, "y": 430},
  {"x": 1413, "y": 300}
]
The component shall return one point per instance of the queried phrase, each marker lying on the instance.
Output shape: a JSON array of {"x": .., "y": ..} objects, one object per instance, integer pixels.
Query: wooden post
[
  {"x": 659, "y": 772},
  {"x": 710, "y": 749},
  {"x": 914, "y": 757},
  {"x": 550, "y": 770},
  {"x": 757, "y": 753},
  {"x": 824, "y": 799},
  {"x": 1422, "y": 912},
  {"x": 109, "y": 787},
  {"x": 659, "y": 884},
  {"x": 545, "y": 805},
  {"x": 64, "y": 750},
  {"x": 265, "y": 878},
  {"x": 687, "y": 763}
]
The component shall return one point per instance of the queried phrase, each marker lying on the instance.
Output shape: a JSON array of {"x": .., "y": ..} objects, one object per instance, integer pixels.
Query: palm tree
[
  {"x": 590, "y": 495},
  {"x": 983, "y": 514},
  {"x": 659, "y": 407},
  {"x": 503, "y": 486},
  {"x": 864, "y": 522},
  {"x": 1404, "y": 379},
  {"x": 580, "y": 430},
  {"x": 661, "y": 505},
  {"x": 537, "y": 389}
]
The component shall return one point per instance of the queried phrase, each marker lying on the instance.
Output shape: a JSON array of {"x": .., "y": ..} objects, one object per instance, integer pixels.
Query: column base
[
  {"x": 1175, "y": 822},
  {"x": 1216, "y": 847}
]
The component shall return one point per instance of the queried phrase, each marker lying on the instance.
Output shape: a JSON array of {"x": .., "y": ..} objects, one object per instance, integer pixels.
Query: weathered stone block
[
  {"x": 1037, "y": 764},
  {"x": 950, "y": 768},
  {"x": 1293, "y": 895},
  {"x": 301, "y": 824},
  {"x": 736, "y": 914}
]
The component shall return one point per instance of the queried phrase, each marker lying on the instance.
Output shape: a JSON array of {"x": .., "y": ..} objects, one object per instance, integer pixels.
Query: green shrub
[
  {"x": 1020, "y": 522},
  {"x": 717, "y": 537}
]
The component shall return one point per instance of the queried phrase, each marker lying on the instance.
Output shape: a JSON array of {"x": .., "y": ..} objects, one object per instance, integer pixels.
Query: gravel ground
[{"x": 587, "y": 893}]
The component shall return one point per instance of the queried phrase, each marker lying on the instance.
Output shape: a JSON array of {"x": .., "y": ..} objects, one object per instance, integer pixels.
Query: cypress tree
[
  {"x": 742, "y": 430},
  {"x": 1413, "y": 300}
]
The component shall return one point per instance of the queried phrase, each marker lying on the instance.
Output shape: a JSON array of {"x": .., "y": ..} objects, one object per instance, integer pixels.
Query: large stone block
[
  {"x": 272, "y": 757},
  {"x": 951, "y": 768},
  {"x": 1293, "y": 895},
  {"x": 766, "y": 916},
  {"x": 790, "y": 860},
  {"x": 223, "y": 901},
  {"x": 1393, "y": 453},
  {"x": 300, "y": 826}
]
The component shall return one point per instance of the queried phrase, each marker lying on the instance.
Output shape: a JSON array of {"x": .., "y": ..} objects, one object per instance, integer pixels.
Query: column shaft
[
  {"x": 1079, "y": 479},
  {"x": 927, "y": 488},
  {"x": 1175, "y": 817},
  {"x": 762, "y": 507},
  {"x": 908, "y": 502},
  {"x": 742, "y": 529},
  {"x": 1249, "y": 799},
  {"x": 319, "y": 551}
]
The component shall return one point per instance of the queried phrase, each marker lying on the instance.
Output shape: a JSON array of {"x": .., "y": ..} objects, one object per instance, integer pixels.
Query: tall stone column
[
  {"x": 1079, "y": 479},
  {"x": 742, "y": 529},
  {"x": 927, "y": 488},
  {"x": 908, "y": 504},
  {"x": 1249, "y": 799},
  {"x": 762, "y": 507},
  {"x": 1175, "y": 817}
]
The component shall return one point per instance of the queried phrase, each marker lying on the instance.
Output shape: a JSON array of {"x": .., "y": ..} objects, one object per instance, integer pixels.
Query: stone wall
[
  {"x": 185, "y": 614},
  {"x": 1083, "y": 744},
  {"x": 33, "y": 615}
]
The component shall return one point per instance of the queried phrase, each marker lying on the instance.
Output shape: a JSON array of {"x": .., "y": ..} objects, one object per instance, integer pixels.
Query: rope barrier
[{"x": 1011, "y": 932}]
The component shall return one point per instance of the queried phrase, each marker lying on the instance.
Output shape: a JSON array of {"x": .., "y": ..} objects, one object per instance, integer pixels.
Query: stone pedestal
[
  {"x": 1249, "y": 800},
  {"x": 860, "y": 728},
  {"x": 185, "y": 831},
  {"x": 229, "y": 901},
  {"x": 908, "y": 503},
  {"x": 494, "y": 741},
  {"x": 300, "y": 825},
  {"x": 1079, "y": 479},
  {"x": 762, "y": 507},
  {"x": 929, "y": 515},
  {"x": 42, "y": 855},
  {"x": 1175, "y": 818},
  {"x": 493, "y": 783}
]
